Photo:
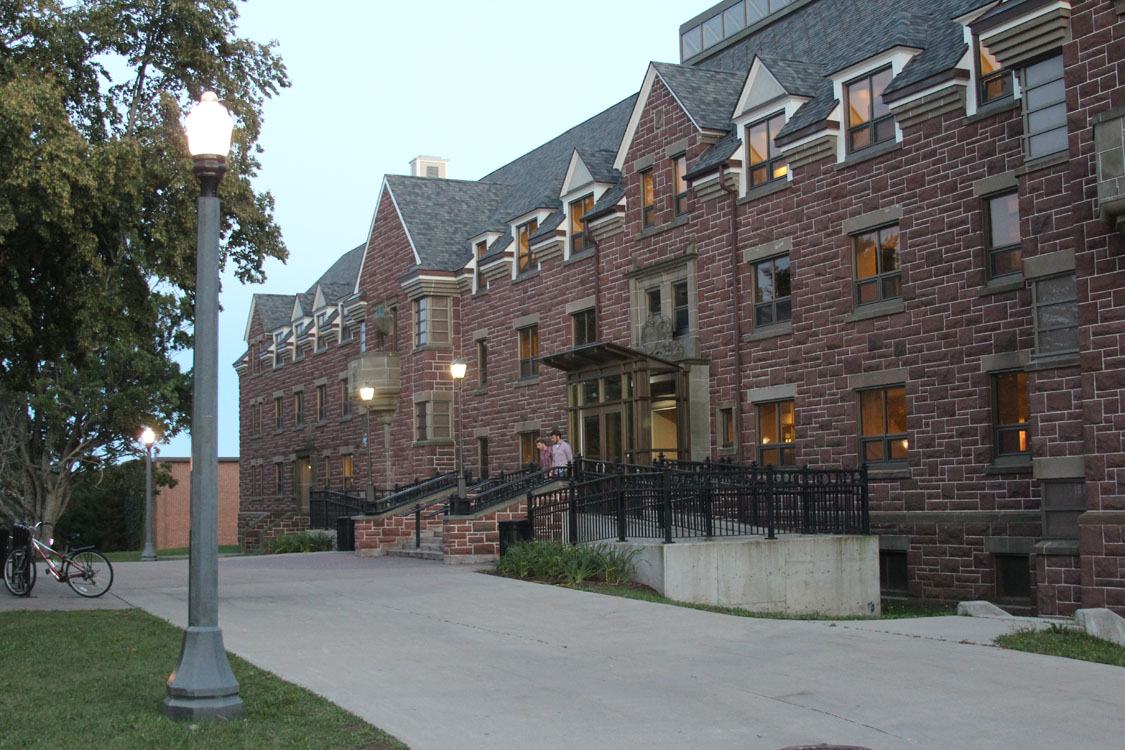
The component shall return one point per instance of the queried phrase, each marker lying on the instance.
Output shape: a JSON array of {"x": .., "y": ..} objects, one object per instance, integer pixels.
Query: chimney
[{"x": 429, "y": 166}]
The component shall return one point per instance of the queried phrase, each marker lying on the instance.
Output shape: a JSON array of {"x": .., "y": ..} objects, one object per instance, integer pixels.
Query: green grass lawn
[
  {"x": 1068, "y": 642},
  {"x": 96, "y": 679},
  {"x": 163, "y": 554}
]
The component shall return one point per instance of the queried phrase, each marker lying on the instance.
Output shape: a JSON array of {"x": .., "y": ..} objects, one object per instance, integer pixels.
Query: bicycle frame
[{"x": 50, "y": 556}]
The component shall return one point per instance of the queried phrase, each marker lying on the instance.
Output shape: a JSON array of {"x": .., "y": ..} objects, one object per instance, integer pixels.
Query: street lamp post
[
  {"x": 457, "y": 369},
  {"x": 366, "y": 393},
  {"x": 203, "y": 687},
  {"x": 148, "y": 437}
]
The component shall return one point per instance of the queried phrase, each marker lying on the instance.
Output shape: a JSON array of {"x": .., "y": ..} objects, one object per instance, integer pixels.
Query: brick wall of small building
[{"x": 171, "y": 506}]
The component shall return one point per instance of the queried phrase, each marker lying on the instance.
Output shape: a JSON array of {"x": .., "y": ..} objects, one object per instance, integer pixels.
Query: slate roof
[
  {"x": 714, "y": 156},
  {"x": 609, "y": 199},
  {"x": 708, "y": 96},
  {"x": 441, "y": 215},
  {"x": 831, "y": 35},
  {"x": 339, "y": 280},
  {"x": 536, "y": 177},
  {"x": 798, "y": 78},
  {"x": 600, "y": 163},
  {"x": 274, "y": 310}
]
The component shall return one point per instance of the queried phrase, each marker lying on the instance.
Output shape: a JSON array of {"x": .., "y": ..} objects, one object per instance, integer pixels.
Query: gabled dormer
[
  {"x": 523, "y": 228},
  {"x": 589, "y": 176},
  {"x": 475, "y": 267},
  {"x": 775, "y": 89}
]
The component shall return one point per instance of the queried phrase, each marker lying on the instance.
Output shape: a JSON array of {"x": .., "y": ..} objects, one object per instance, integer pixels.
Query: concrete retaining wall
[{"x": 832, "y": 575}]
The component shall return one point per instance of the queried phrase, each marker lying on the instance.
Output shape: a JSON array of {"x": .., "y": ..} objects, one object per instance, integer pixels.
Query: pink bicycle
[{"x": 84, "y": 569}]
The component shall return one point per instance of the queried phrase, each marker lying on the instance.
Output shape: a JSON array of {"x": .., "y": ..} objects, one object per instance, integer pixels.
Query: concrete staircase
[{"x": 431, "y": 548}]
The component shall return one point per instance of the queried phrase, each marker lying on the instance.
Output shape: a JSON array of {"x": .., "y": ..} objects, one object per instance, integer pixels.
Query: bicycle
[{"x": 84, "y": 569}]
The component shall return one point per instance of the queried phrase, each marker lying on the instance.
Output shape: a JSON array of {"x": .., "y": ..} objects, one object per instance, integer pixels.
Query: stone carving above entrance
[{"x": 657, "y": 340}]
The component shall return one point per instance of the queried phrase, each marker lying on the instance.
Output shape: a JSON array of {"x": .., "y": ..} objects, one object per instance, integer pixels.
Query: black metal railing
[
  {"x": 412, "y": 493},
  {"x": 325, "y": 506},
  {"x": 517, "y": 484},
  {"x": 720, "y": 502}
]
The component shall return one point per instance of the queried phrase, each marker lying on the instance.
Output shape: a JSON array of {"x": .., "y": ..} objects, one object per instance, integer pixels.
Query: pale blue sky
[{"x": 377, "y": 83}]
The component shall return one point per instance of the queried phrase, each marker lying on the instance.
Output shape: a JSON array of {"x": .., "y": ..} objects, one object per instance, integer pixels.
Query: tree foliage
[{"x": 98, "y": 223}]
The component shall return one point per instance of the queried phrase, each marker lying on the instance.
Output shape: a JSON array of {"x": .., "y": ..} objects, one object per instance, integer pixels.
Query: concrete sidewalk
[{"x": 443, "y": 657}]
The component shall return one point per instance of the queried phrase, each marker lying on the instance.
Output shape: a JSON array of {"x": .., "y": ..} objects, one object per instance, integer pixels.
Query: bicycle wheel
[
  {"x": 19, "y": 573},
  {"x": 89, "y": 573}
]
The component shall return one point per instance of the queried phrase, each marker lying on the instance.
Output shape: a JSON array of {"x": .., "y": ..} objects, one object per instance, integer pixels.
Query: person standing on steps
[
  {"x": 561, "y": 454},
  {"x": 545, "y": 453}
]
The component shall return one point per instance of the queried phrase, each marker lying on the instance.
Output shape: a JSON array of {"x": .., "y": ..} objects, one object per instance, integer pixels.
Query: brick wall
[{"x": 171, "y": 506}]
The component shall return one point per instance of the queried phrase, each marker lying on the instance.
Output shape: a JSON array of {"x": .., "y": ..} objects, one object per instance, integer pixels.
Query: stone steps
[{"x": 430, "y": 549}]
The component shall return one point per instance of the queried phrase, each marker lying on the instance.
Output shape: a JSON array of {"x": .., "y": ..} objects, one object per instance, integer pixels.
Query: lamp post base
[
  {"x": 148, "y": 554},
  {"x": 203, "y": 687}
]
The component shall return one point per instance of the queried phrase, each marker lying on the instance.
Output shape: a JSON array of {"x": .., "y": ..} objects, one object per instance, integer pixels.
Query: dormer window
[
  {"x": 321, "y": 332},
  {"x": 648, "y": 199},
  {"x": 995, "y": 81},
  {"x": 870, "y": 121},
  {"x": 679, "y": 167},
  {"x": 579, "y": 240},
  {"x": 526, "y": 260},
  {"x": 766, "y": 162}
]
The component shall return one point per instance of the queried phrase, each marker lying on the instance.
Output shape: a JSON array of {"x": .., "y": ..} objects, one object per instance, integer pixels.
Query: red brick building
[
  {"x": 171, "y": 506},
  {"x": 834, "y": 234}
]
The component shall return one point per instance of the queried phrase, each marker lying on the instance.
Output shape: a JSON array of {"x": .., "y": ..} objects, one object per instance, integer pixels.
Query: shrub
[
  {"x": 555, "y": 562},
  {"x": 301, "y": 541}
]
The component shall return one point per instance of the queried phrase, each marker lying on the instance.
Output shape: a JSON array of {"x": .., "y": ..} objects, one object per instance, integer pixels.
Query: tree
[{"x": 98, "y": 222}]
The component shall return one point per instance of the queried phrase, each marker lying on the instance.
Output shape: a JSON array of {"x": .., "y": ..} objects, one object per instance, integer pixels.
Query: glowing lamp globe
[
  {"x": 367, "y": 393},
  {"x": 209, "y": 127},
  {"x": 148, "y": 437},
  {"x": 457, "y": 368}
]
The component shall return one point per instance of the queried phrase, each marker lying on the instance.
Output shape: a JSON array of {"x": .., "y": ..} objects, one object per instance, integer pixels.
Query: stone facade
[{"x": 1039, "y": 529}]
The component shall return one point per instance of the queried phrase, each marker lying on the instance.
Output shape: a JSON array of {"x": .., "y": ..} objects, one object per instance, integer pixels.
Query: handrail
[
  {"x": 416, "y": 491},
  {"x": 528, "y": 481}
]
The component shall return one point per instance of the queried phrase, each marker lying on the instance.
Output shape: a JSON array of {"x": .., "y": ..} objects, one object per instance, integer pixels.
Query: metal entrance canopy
[{"x": 589, "y": 356}]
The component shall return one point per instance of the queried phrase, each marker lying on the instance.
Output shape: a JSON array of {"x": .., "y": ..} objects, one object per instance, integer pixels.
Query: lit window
[
  {"x": 726, "y": 428},
  {"x": 528, "y": 351},
  {"x": 1045, "y": 108},
  {"x": 766, "y": 162},
  {"x": 882, "y": 424},
  {"x": 772, "y": 303},
  {"x": 1002, "y": 213},
  {"x": 777, "y": 434},
  {"x": 347, "y": 466},
  {"x": 579, "y": 240},
  {"x": 648, "y": 198},
  {"x": 877, "y": 272},
  {"x": 679, "y": 167},
  {"x": 528, "y": 452},
  {"x": 996, "y": 82},
  {"x": 325, "y": 471},
  {"x": 869, "y": 120},
  {"x": 479, "y": 250},
  {"x": 526, "y": 260},
  {"x": 1010, "y": 413}
]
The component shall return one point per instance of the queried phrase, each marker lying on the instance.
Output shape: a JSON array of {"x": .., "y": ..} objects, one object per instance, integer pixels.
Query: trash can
[
  {"x": 345, "y": 534},
  {"x": 512, "y": 532}
]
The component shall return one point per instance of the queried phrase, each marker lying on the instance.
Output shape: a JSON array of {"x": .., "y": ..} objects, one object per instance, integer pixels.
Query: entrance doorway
[
  {"x": 303, "y": 469},
  {"x": 625, "y": 406}
]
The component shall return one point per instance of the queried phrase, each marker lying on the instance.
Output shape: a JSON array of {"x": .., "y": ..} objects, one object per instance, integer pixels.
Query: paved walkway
[{"x": 445, "y": 658}]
